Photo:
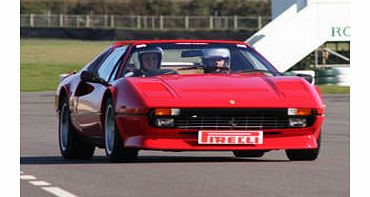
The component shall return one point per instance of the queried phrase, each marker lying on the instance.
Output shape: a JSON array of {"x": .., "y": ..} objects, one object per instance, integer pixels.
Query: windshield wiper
[{"x": 254, "y": 70}]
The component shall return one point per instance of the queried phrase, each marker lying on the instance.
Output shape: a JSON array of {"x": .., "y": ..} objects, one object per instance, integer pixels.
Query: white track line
[
  {"x": 40, "y": 183},
  {"x": 58, "y": 191},
  {"x": 28, "y": 177}
]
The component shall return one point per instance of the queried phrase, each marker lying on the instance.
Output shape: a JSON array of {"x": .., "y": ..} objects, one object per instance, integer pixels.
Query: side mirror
[
  {"x": 307, "y": 77},
  {"x": 88, "y": 76}
]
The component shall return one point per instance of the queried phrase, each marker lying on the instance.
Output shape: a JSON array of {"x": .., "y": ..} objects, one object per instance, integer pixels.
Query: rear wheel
[
  {"x": 70, "y": 145},
  {"x": 304, "y": 154},
  {"x": 114, "y": 146},
  {"x": 249, "y": 153}
]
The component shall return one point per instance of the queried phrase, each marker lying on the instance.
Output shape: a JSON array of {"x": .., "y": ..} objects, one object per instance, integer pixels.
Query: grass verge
[
  {"x": 43, "y": 60},
  {"x": 334, "y": 89},
  {"x": 42, "y": 77}
]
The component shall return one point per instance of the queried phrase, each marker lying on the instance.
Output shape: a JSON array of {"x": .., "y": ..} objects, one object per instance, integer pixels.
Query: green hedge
[{"x": 148, "y": 7}]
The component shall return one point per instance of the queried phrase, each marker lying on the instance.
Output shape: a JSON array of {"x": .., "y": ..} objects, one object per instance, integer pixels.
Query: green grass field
[
  {"x": 333, "y": 89},
  {"x": 43, "y": 60}
]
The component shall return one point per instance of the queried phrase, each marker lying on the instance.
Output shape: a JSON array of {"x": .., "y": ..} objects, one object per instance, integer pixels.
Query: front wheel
[
  {"x": 70, "y": 144},
  {"x": 114, "y": 147},
  {"x": 304, "y": 154}
]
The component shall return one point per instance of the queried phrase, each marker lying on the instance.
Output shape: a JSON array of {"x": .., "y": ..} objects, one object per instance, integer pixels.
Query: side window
[
  {"x": 256, "y": 63},
  {"x": 94, "y": 64},
  {"x": 115, "y": 71},
  {"x": 108, "y": 65},
  {"x": 132, "y": 64}
]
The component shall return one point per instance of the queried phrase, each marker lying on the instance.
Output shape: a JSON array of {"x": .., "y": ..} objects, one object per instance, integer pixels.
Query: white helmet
[
  {"x": 214, "y": 53},
  {"x": 156, "y": 50}
]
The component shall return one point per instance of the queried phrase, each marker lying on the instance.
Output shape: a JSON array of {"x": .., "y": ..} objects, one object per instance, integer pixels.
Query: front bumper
[{"x": 137, "y": 133}]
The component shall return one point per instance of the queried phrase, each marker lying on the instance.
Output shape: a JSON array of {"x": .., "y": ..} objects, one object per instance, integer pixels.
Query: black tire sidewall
[
  {"x": 109, "y": 155},
  {"x": 64, "y": 109},
  {"x": 75, "y": 147},
  {"x": 118, "y": 143},
  {"x": 119, "y": 152}
]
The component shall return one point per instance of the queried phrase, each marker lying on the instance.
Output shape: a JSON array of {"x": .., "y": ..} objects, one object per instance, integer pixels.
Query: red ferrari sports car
[{"x": 186, "y": 95}]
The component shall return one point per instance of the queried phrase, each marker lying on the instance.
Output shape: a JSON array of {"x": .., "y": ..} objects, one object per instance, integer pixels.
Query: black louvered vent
[{"x": 233, "y": 119}]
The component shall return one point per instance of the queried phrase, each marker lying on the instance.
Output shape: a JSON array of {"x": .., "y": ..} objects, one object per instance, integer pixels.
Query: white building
[{"x": 299, "y": 27}]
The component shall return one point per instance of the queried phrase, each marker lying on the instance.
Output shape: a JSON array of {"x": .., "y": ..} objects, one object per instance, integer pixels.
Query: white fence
[{"x": 145, "y": 22}]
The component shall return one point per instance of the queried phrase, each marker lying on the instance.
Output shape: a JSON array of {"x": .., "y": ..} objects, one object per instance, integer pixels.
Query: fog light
[
  {"x": 165, "y": 122},
  {"x": 297, "y": 122}
]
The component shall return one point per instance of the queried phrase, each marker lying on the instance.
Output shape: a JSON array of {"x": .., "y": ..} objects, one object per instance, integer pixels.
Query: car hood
[{"x": 226, "y": 91}]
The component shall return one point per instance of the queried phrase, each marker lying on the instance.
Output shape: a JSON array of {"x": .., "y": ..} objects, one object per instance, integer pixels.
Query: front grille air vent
[{"x": 232, "y": 119}]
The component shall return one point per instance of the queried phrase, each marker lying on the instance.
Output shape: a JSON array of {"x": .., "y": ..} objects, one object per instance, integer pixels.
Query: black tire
[
  {"x": 70, "y": 144},
  {"x": 249, "y": 153},
  {"x": 327, "y": 73},
  {"x": 327, "y": 80},
  {"x": 304, "y": 154},
  {"x": 114, "y": 146},
  {"x": 289, "y": 74}
]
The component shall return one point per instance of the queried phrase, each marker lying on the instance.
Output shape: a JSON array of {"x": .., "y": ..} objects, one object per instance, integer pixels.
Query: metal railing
[{"x": 145, "y": 22}]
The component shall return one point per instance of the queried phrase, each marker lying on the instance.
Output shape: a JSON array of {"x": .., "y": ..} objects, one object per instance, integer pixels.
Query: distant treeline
[{"x": 149, "y": 7}]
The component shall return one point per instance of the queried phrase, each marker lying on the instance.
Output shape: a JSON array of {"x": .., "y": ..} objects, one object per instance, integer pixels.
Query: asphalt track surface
[{"x": 180, "y": 173}]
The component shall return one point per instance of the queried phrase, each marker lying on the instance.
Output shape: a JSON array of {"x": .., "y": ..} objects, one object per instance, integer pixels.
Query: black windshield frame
[{"x": 238, "y": 61}]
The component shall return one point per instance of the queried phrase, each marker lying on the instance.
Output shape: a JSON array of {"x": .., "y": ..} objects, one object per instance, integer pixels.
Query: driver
[
  {"x": 216, "y": 60},
  {"x": 150, "y": 59}
]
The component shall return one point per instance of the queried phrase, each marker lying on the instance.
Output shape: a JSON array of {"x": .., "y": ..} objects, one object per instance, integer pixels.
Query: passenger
[{"x": 216, "y": 60}]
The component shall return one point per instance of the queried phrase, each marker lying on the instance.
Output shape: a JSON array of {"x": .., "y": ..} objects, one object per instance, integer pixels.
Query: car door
[
  {"x": 76, "y": 89},
  {"x": 90, "y": 95}
]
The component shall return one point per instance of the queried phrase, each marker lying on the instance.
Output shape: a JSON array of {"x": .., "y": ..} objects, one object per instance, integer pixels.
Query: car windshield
[{"x": 195, "y": 58}]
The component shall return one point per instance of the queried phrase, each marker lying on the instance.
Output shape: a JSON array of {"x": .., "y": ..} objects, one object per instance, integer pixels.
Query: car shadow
[{"x": 57, "y": 160}]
